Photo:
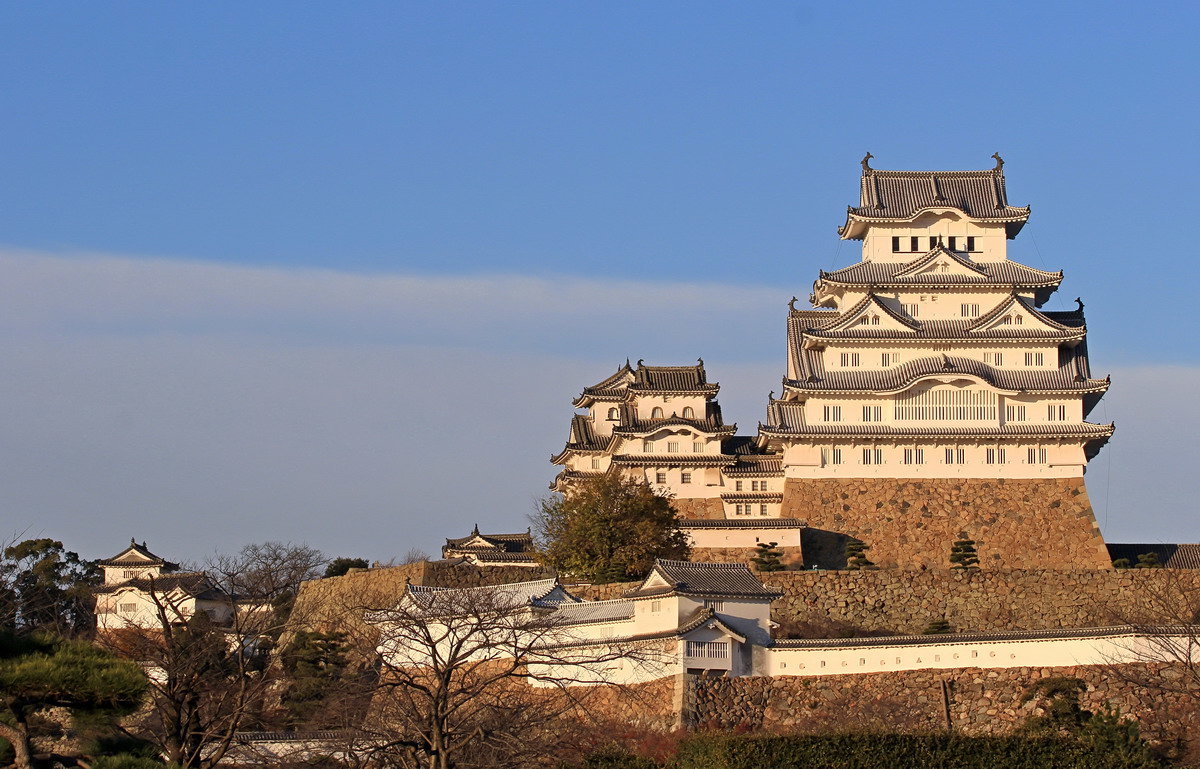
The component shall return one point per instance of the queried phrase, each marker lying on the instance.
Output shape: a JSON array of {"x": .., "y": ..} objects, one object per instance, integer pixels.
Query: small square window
[
  {"x": 660, "y": 477},
  {"x": 698, "y": 447},
  {"x": 685, "y": 477}
]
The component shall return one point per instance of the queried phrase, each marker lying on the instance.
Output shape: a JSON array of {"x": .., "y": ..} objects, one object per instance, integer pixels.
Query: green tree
[
  {"x": 1058, "y": 699},
  {"x": 938, "y": 627},
  {"x": 767, "y": 557},
  {"x": 608, "y": 529},
  {"x": 964, "y": 555},
  {"x": 339, "y": 566},
  {"x": 1148, "y": 561},
  {"x": 315, "y": 663},
  {"x": 41, "y": 672},
  {"x": 45, "y": 587},
  {"x": 856, "y": 555}
]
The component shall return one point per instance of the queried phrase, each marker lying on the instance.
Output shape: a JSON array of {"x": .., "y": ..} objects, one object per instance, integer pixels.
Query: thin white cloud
[{"x": 202, "y": 406}]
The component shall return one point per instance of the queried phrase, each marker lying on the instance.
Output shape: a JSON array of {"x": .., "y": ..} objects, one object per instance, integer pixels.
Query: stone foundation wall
[
  {"x": 710, "y": 508},
  {"x": 911, "y": 523},
  {"x": 791, "y": 557},
  {"x": 978, "y": 701},
  {"x": 826, "y": 604}
]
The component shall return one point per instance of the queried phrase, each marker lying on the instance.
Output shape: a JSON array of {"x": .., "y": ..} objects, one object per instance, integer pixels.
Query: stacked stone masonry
[
  {"x": 1017, "y": 523},
  {"x": 979, "y": 701}
]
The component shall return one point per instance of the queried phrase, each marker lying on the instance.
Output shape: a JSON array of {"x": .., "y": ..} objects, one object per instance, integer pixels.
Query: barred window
[
  {"x": 1014, "y": 412},
  {"x": 970, "y": 310},
  {"x": 1037, "y": 456},
  {"x": 956, "y": 457},
  {"x": 872, "y": 456},
  {"x": 660, "y": 477},
  {"x": 833, "y": 413},
  {"x": 698, "y": 446},
  {"x": 872, "y": 413},
  {"x": 688, "y": 413},
  {"x": 849, "y": 359},
  {"x": 947, "y": 403},
  {"x": 1034, "y": 359},
  {"x": 995, "y": 456},
  {"x": 673, "y": 447},
  {"x": 657, "y": 413},
  {"x": 762, "y": 509},
  {"x": 831, "y": 456},
  {"x": 648, "y": 447},
  {"x": 1056, "y": 412},
  {"x": 685, "y": 477},
  {"x": 914, "y": 456}
]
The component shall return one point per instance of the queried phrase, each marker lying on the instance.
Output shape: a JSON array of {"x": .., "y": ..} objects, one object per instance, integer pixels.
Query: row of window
[
  {"x": 684, "y": 477},
  {"x": 952, "y": 406},
  {"x": 656, "y": 413},
  {"x": 913, "y": 243},
  {"x": 854, "y": 359},
  {"x": 749, "y": 509},
  {"x": 672, "y": 447},
  {"x": 916, "y": 456},
  {"x": 754, "y": 485}
]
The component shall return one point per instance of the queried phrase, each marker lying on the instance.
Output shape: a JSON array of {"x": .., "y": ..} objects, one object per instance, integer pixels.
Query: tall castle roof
[{"x": 900, "y": 196}]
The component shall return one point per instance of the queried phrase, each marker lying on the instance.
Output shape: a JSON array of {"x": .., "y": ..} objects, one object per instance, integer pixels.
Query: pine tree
[
  {"x": 1148, "y": 561},
  {"x": 767, "y": 558},
  {"x": 938, "y": 627},
  {"x": 963, "y": 555},
  {"x": 856, "y": 555}
]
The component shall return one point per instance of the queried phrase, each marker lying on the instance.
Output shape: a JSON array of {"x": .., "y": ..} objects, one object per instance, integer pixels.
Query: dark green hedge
[{"x": 900, "y": 751}]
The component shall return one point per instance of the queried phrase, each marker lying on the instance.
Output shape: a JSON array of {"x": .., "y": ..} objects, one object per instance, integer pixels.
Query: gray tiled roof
[
  {"x": 761, "y": 468},
  {"x": 753, "y": 496},
  {"x": 712, "y": 424},
  {"x": 593, "y": 611},
  {"x": 673, "y": 460},
  {"x": 613, "y": 386},
  {"x": 1084, "y": 430},
  {"x": 1005, "y": 273},
  {"x": 1170, "y": 556},
  {"x": 671, "y": 379},
  {"x": 715, "y": 579},
  {"x": 901, "y": 194},
  {"x": 509, "y": 543},
  {"x": 124, "y": 558},
  {"x": 195, "y": 583},
  {"x": 742, "y": 523}
]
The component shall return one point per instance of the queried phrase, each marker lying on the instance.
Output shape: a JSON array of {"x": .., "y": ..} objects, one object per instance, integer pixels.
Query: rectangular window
[
  {"x": 1014, "y": 412},
  {"x": 896, "y": 243},
  {"x": 130, "y": 573},
  {"x": 831, "y": 456},
  {"x": 994, "y": 358},
  {"x": 956, "y": 456},
  {"x": 872, "y": 456},
  {"x": 660, "y": 477},
  {"x": 914, "y": 456},
  {"x": 685, "y": 477},
  {"x": 995, "y": 456},
  {"x": 656, "y": 606},
  {"x": 912, "y": 309},
  {"x": 595, "y": 463},
  {"x": 833, "y": 413},
  {"x": 762, "y": 509},
  {"x": 715, "y": 605},
  {"x": 970, "y": 310},
  {"x": 953, "y": 242},
  {"x": 890, "y": 358},
  {"x": 914, "y": 243},
  {"x": 698, "y": 447},
  {"x": 872, "y": 413},
  {"x": 1056, "y": 412},
  {"x": 754, "y": 485},
  {"x": 737, "y": 485},
  {"x": 1037, "y": 456},
  {"x": 673, "y": 447},
  {"x": 1034, "y": 359},
  {"x": 849, "y": 359},
  {"x": 970, "y": 243},
  {"x": 648, "y": 447},
  {"x": 933, "y": 241},
  {"x": 128, "y": 608},
  {"x": 946, "y": 403}
]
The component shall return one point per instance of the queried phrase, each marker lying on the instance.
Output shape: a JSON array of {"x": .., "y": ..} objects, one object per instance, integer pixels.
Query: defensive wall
[{"x": 1041, "y": 523}]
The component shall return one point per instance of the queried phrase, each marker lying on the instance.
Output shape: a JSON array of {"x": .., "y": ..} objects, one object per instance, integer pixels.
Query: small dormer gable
[
  {"x": 134, "y": 562},
  {"x": 875, "y": 313},
  {"x": 1015, "y": 315},
  {"x": 942, "y": 262}
]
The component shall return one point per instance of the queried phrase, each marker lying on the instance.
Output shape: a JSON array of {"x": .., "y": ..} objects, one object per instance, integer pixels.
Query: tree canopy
[
  {"x": 38, "y": 673},
  {"x": 45, "y": 587},
  {"x": 608, "y": 529}
]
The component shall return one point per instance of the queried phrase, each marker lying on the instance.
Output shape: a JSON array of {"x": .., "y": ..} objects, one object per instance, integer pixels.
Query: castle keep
[{"x": 928, "y": 396}]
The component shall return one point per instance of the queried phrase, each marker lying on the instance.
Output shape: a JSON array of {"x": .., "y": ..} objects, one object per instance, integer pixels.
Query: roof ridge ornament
[
  {"x": 946, "y": 364},
  {"x": 1079, "y": 301},
  {"x": 999, "y": 162},
  {"x": 866, "y": 162},
  {"x": 792, "y": 303}
]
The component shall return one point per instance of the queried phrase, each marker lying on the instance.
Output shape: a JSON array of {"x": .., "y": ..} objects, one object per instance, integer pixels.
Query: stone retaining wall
[
  {"x": 909, "y": 523},
  {"x": 977, "y": 701},
  {"x": 709, "y": 508},
  {"x": 901, "y": 601}
]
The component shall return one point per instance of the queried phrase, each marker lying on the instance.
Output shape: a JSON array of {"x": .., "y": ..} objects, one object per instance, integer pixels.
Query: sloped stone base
[
  {"x": 699, "y": 508},
  {"x": 1016, "y": 523}
]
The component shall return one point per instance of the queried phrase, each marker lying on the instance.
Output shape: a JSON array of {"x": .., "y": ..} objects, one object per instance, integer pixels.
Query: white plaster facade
[{"x": 136, "y": 581}]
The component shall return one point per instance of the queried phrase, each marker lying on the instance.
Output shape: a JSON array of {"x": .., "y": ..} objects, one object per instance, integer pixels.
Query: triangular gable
[
  {"x": 941, "y": 261},
  {"x": 878, "y": 316},
  {"x": 655, "y": 580},
  {"x": 1015, "y": 314},
  {"x": 712, "y": 622}
]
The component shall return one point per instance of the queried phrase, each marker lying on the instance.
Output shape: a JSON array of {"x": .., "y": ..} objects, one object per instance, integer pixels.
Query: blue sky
[{"x": 269, "y": 265}]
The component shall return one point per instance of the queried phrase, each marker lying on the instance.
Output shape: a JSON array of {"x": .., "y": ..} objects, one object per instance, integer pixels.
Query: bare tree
[
  {"x": 207, "y": 649},
  {"x": 483, "y": 676}
]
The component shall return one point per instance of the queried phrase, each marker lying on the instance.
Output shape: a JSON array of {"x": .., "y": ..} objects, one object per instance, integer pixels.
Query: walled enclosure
[
  {"x": 977, "y": 701},
  {"x": 1044, "y": 523}
]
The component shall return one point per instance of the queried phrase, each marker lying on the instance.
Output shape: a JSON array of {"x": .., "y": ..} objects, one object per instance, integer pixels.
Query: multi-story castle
[{"x": 928, "y": 397}]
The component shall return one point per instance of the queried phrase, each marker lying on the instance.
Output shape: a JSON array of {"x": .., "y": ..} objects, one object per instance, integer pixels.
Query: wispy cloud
[{"x": 202, "y": 406}]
